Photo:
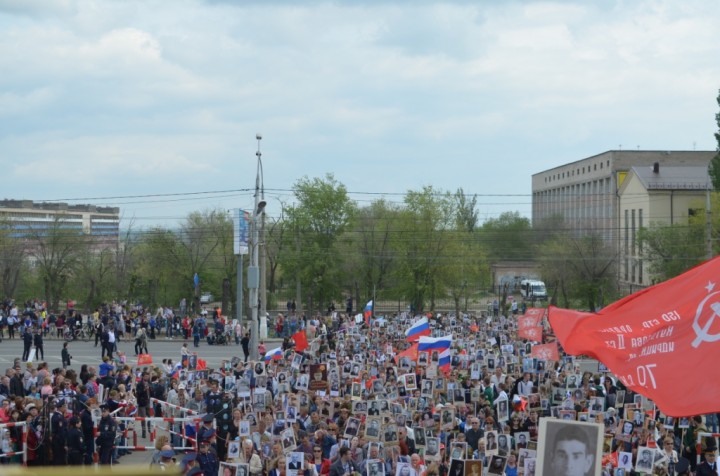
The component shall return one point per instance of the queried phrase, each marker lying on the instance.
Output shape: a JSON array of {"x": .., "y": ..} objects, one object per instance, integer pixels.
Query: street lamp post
[{"x": 254, "y": 268}]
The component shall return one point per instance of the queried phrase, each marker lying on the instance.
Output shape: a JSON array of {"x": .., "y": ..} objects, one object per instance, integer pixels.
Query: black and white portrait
[{"x": 569, "y": 448}]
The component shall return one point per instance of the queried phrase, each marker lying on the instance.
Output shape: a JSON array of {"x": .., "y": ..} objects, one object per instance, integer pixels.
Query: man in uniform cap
[
  {"x": 58, "y": 430},
  {"x": 188, "y": 462},
  {"x": 166, "y": 460},
  {"x": 682, "y": 467},
  {"x": 105, "y": 440},
  {"x": 709, "y": 467},
  {"x": 206, "y": 459}
]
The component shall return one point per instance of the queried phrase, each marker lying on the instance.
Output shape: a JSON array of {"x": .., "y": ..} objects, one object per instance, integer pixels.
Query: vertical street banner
[
  {"x": 661, "y": 341},
  {"x": 241, "y": 231}
]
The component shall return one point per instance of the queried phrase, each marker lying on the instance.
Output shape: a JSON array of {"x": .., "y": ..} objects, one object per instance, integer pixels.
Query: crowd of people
[{"x": 358, "y": 398}]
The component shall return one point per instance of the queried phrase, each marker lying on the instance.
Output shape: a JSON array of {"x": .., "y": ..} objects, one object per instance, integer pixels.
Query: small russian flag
[
  {"x": 274, "y": 354},
  {"x": 434, "y": 343},
  {"x": 444, "y": 361},
  {"x": 420, "y": 328},
  {"x": 368, "y": 312}
]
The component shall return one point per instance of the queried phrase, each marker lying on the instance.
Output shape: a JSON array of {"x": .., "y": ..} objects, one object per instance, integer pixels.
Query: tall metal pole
[
  {"x": 253, "y": 269},
  {"x": 262, "y": 333},
  {"x": 239, "y": 289}
]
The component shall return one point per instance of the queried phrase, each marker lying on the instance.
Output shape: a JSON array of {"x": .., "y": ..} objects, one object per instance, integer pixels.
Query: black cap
[
  {"x": 208, "y": 418},
  {"x": 682, "y": 465},
  {"x": 104, "y": 407}
]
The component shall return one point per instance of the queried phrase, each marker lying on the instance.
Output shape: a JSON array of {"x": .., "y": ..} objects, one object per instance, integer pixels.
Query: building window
[
  {"x": 601, "y": 165},
  {"x": 594, "y": 167}
]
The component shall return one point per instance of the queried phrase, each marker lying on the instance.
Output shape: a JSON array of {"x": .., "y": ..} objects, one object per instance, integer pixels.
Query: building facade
[
  {"x": 27, "y": 218},
  {"x": 585, "y": 194},
  {"x": 652, "y": 196}
]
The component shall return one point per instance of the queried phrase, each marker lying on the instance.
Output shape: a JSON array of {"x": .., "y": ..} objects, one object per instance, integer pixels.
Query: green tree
[
  {"x": 322, "y": 213},
  {"x": 92, "y": 281},
  {"x": 12, "y": 259},
  {"x": 200, "y": 236},
  {"x": 466, "y": 209},
  {"x": 369, "y": 249},
  {"x": 157, "y": 267},
  {"x": 672, "y": 249},
  {"x": 56, "y": 248},
  {"x": 508, "y": 237},
  {"x": 425, "y": 222},
  {"x": 714, "y": 168},
  {"x": 579, "y": 267}
]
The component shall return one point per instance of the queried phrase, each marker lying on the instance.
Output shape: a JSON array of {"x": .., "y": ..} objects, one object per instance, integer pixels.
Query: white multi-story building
[{"x": 28, "y": 218}]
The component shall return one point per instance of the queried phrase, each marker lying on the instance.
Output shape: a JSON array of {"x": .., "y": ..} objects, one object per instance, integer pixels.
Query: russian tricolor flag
[
  {"x": 434, "y": 343},
  {"x": 420, "y": 328},
  {"x": 274, "y": 354},
  {"x": 368, "y": 312},
  {"x": 444, "y": 361}
]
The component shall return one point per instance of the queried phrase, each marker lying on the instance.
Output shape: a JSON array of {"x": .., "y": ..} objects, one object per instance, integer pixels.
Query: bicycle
[{"x": 77, "y": 334}]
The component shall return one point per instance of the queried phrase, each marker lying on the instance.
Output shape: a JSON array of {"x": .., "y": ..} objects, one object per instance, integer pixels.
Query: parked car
[{"x": 206, "y": 298}]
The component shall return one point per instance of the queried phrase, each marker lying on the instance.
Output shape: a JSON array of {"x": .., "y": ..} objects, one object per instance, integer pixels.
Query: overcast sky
[{"x": 125, "y": 98}]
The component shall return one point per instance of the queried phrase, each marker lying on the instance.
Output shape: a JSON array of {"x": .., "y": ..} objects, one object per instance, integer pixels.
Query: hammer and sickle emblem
[{"x": 702, "y": 331}]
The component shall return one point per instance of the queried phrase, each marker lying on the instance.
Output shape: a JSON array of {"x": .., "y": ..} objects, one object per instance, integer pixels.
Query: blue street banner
[{"x": 241, "y": 231}]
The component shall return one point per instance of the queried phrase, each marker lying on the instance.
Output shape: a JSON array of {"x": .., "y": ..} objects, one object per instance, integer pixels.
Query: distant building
[
  {"x": 655, "y": 196},
  {"x": 586, "y": 195},
  {"x": 28, "y": 218}
]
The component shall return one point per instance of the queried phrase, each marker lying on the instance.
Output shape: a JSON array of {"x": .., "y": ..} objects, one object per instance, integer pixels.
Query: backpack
[{"x": 157, "y": 391}]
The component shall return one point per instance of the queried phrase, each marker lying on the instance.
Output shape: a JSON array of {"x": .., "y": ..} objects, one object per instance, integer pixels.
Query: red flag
[
  {"x": 527, "y": 321},
  {"x": 546, "y": 351},
  {"x": 201, "y": 365},
  {"x": 531, "y": 333},
  {"x": 300, "y": 339},
  {"x": 657, "y": 338},
  {"x": 411, "y": 353}
]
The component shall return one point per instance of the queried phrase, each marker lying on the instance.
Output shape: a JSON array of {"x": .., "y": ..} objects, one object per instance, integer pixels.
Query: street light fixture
[{"x": 254, "y": 268}]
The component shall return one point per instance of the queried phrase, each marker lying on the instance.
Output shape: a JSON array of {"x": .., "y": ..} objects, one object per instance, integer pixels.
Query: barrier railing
[
  {"x": 23, "y": 442},
  {"x": 698, "y": 444},
  {"x": 163, "y": 403},
  {"x": 154, "y": 421}
]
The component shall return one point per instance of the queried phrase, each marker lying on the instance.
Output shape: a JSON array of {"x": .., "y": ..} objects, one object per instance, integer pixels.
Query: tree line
[{"x": 429, "y": 251}]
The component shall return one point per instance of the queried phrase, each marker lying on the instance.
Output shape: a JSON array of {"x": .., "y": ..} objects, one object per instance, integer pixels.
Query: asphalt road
[{"x": 87, "y": 353}]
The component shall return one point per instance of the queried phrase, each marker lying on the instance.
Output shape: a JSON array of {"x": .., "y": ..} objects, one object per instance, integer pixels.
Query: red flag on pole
[
  {"x": 301, "y": 342},
  {"x": 657, "y": 338},
  {"x": 546, "y": 351},
  {"x": 411, "y": 353},
  {"x": 201, "y": 364}
]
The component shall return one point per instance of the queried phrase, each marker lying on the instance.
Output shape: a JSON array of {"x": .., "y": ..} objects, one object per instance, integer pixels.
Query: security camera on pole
[{"x": 253, "y": 276}]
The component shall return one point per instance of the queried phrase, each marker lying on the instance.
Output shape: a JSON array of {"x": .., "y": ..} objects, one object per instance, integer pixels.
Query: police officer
[
  {"x": 105, "y": 440},
  {"x": 75, "y": 442},
  {"x": 88, "y": 426},
  {"x": 207, "y": 461},
  {"x": 27, "y": 343},
  {"x": 58, "y": 434}
]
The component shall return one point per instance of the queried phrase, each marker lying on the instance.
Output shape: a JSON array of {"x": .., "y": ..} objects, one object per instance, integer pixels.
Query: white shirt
[{"x": 525, "y": 388}]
